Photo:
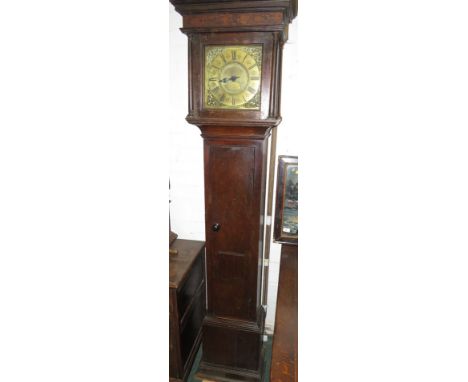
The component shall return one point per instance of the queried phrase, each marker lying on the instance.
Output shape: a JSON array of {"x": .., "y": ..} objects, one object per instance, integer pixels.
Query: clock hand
[{"x": 232, "y": 78}]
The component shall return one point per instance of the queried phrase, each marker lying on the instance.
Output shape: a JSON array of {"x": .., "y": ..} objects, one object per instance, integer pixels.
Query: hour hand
[{"x": 226, "y": 79}]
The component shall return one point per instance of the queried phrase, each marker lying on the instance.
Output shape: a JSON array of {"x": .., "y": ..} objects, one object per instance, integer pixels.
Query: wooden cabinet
[
  {"x": 186, "y": 305},
  {"x": 284, "y": 353}
]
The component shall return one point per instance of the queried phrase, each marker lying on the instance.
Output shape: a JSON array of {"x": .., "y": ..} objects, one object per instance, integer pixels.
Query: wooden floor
[{"x": 284, "y": 357}]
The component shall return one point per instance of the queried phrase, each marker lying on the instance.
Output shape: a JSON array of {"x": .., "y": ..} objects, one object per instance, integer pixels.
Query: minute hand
[{"x": 227, "y": 79}]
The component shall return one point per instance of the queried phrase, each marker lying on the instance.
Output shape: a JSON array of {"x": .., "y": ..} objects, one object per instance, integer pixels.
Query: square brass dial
[{"x": 233, "y": 76}]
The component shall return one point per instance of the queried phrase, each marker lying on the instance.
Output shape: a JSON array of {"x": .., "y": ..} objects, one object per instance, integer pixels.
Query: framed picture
[{"x": 286, "y": 218}]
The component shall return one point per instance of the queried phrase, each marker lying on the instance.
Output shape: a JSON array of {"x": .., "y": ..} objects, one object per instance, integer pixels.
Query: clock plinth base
[
  {"x": 233, "y": 350},
  {"x": 224, "y": 374},
  {"x": 220, "y": 373}
]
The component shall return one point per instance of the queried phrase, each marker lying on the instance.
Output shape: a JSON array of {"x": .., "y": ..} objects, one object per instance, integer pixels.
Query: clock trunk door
[{"x": 232, "y": 227}]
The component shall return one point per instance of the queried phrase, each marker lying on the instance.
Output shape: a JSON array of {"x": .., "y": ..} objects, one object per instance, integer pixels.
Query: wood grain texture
[
  {"x": 188, "y": 7},
  {"x": 285, "y": 351},
  {"x": 187, "y": 308},
  {"x": 234, "y": 191},
  {"x": 235, "y": 181},
  {"x": 232, "y": 19},
  {"x": 188, "y": 251}
]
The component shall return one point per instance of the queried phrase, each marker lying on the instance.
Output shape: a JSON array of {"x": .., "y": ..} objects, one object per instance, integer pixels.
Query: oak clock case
[
  {"x": 235, "y": 129},
  {"x": 234, "y": 59}
]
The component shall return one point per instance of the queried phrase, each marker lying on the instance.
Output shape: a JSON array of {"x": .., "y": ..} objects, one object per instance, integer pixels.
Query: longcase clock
[{"x": 235, "y": 54}]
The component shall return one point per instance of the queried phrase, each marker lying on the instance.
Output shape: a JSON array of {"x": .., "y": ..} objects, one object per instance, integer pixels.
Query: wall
[{"x": 186, "y": 146}]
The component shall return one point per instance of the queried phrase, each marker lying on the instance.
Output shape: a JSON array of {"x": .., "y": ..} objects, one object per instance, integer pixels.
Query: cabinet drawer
[
  {"x": 192, "y": 324},
  {"x": 187, "y": 291}
]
